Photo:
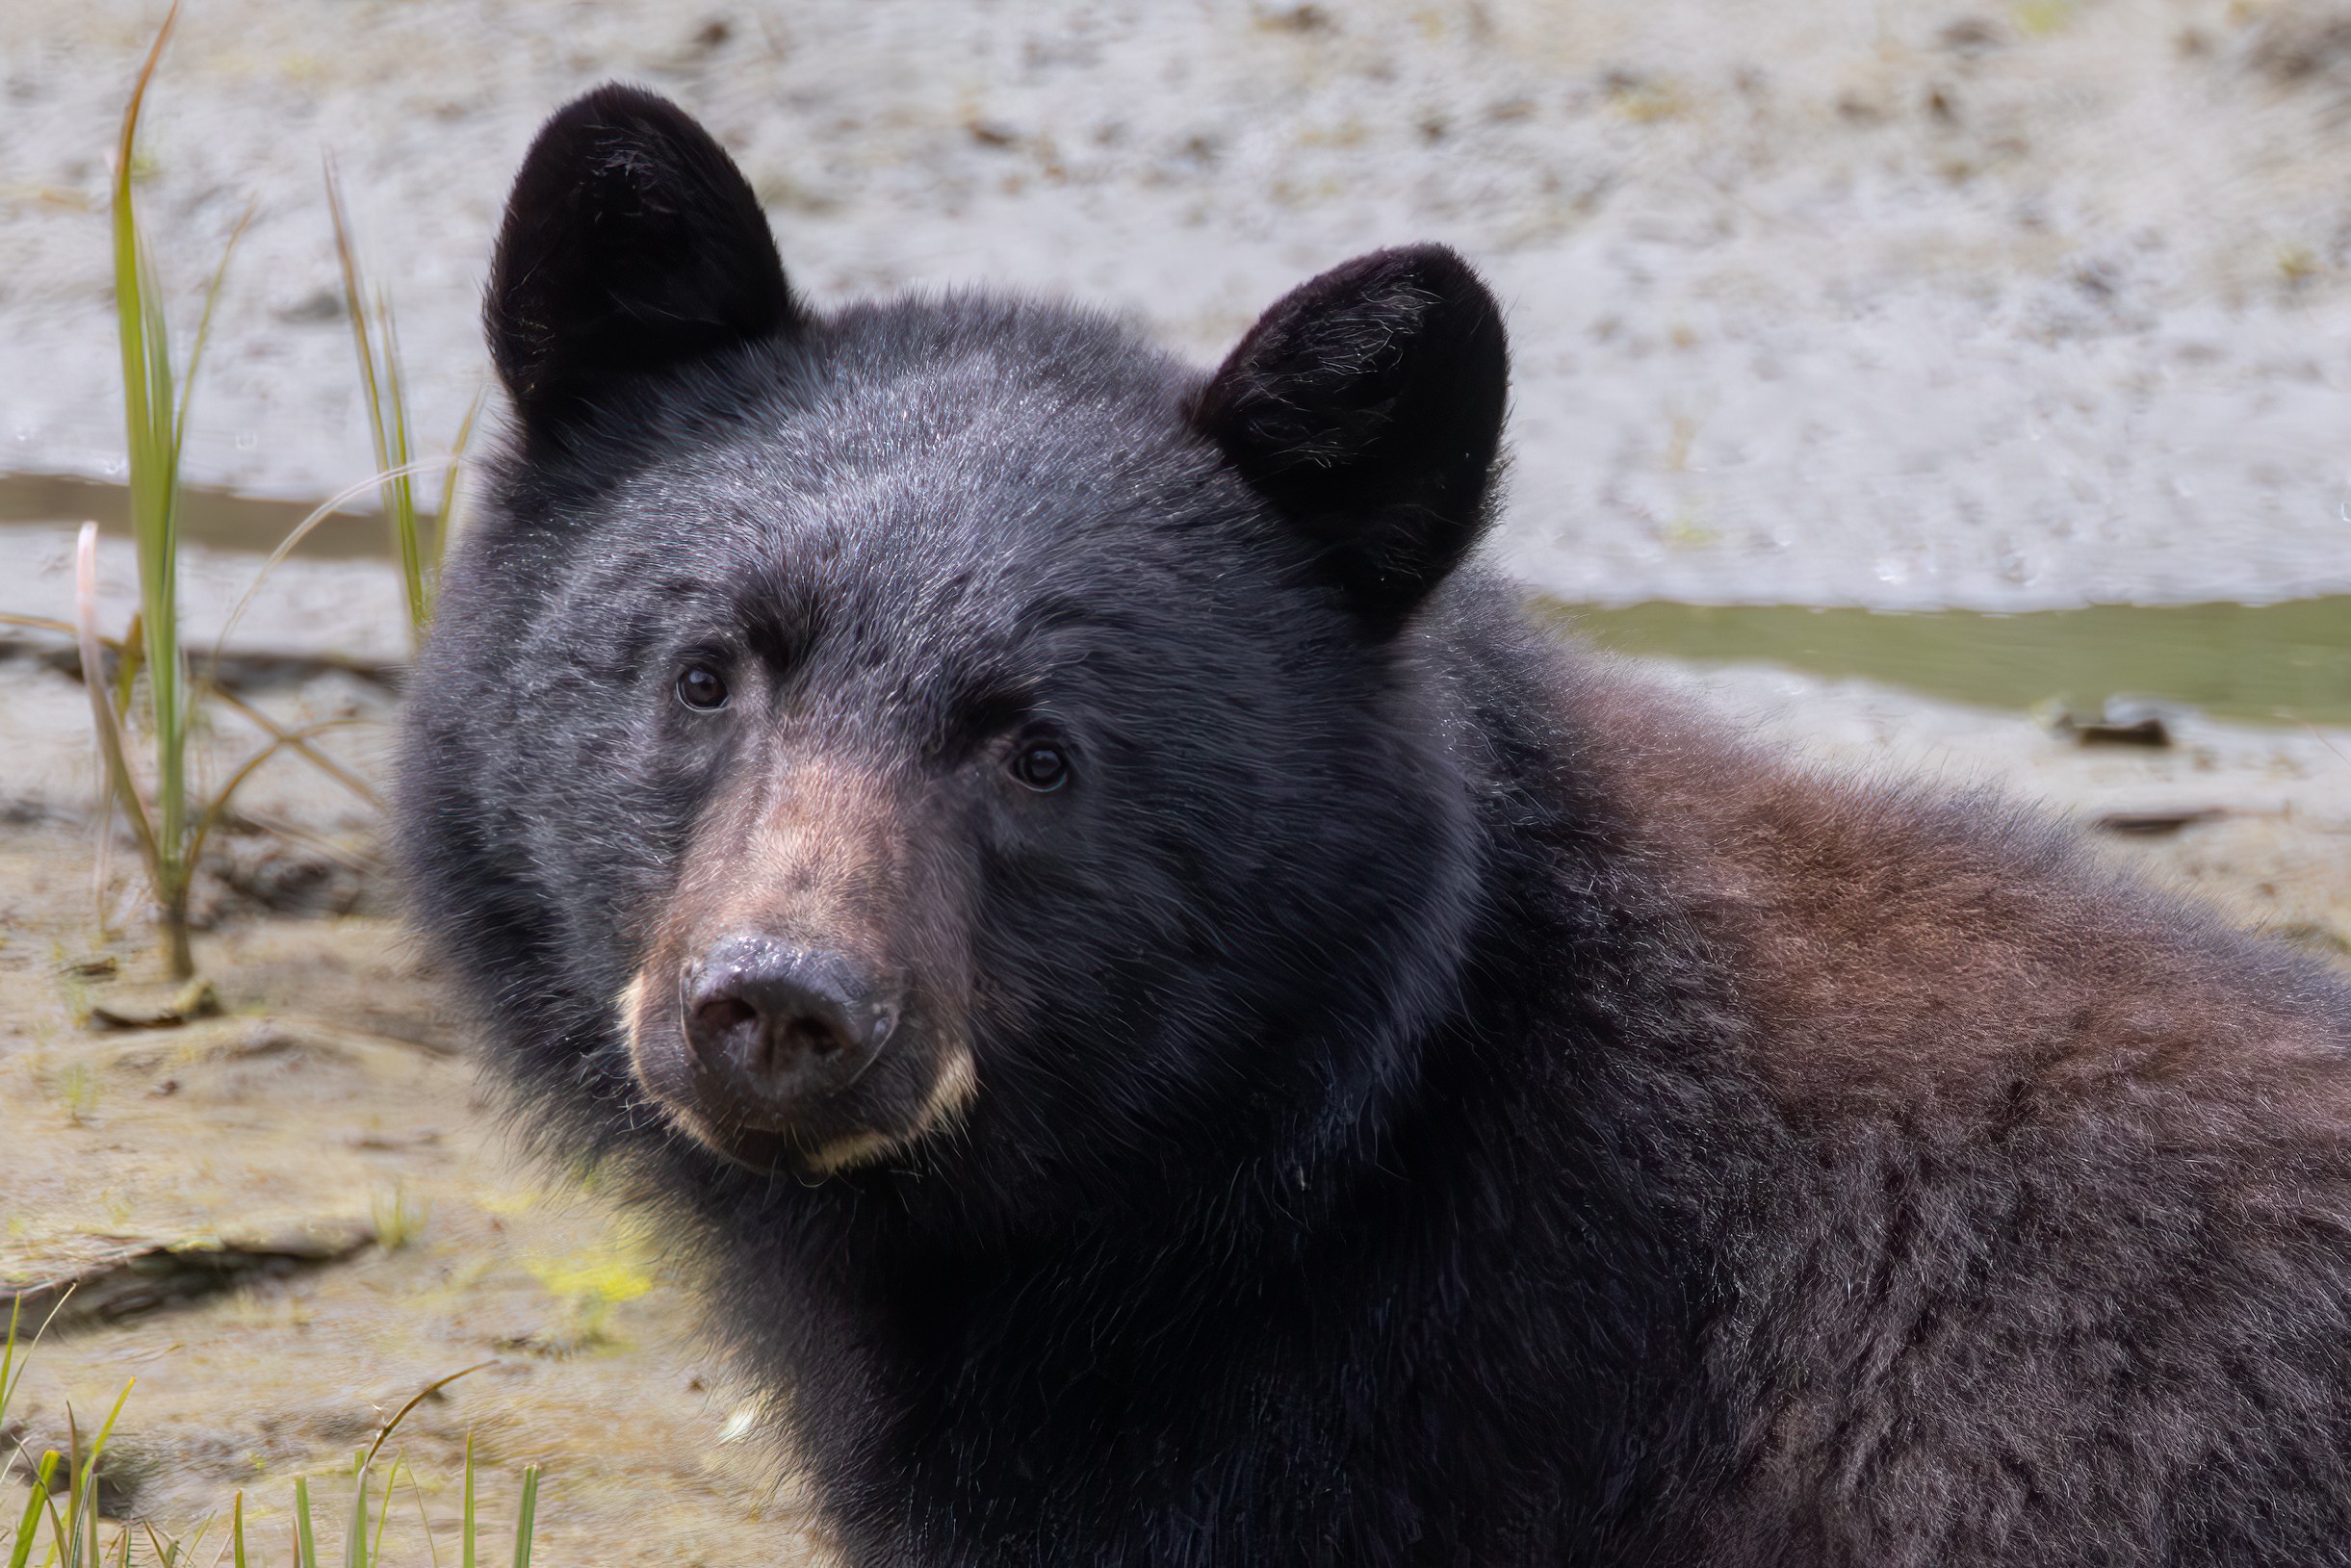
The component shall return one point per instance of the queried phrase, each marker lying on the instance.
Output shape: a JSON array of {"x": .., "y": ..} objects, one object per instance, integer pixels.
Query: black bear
[{"x": 1186, "y": 1033}]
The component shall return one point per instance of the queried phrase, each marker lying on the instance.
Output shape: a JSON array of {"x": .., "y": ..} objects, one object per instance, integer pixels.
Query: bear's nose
[{"x": 771, "y": 1022}]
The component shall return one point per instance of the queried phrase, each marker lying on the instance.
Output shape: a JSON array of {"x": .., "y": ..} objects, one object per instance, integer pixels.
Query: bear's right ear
[
  {"x": 1367, "y": 407},
  {"x": 630, "y": 242}
]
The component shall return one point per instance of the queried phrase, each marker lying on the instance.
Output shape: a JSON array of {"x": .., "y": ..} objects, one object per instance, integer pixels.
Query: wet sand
[{"x": 1926, "y": 303}]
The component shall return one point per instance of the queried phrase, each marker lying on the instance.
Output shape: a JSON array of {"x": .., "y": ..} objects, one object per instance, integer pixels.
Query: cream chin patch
[
  {"x": 858, "y": 1148},
  {"x": 660, "y": 1072},
  {"x": 630, "y": 1005},
  {"x": 955, "y": 1088}
]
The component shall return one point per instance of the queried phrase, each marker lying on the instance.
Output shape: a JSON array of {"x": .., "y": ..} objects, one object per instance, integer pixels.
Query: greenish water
[
  {"x": 217, "y": 517},
  {"x": 2288, "y": 662}
]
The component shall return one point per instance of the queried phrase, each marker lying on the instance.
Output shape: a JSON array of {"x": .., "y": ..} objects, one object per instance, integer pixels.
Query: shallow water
[
  {"x": 2288, "y": 662},
  {"x": 219, "y": 518}
]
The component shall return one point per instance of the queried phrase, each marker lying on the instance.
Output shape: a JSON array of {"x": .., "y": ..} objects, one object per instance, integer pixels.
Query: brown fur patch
[
  {"x": 1896, "y": 949},
  {"x": 825, "y": 854}
]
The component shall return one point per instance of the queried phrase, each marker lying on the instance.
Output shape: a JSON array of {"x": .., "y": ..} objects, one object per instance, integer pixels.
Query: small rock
[
  {"x": 1971, "y": 35},
  {"x": 318, "y": 306},
  {"x": 2149, "y": 731},
  {"x": 2123, "y": 722},
  {"x": 128, "y": 1276},
  {"x": 2154, "y": 824},
  {"x": 163, "y": 1006}
]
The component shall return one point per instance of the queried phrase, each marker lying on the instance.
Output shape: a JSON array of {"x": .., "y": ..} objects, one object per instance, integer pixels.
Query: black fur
[
  {"x": 1367, "y": 405},
  {"x": 1436, "y": 1105},
  {"x": 633, "y": 243}
]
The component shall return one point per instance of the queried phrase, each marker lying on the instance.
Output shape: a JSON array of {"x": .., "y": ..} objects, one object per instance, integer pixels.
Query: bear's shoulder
[{"x": 1897, "y": 950}]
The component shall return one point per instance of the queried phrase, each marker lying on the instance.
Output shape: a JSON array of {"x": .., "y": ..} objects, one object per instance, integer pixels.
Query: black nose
[{"x": 771, "y": 1022}]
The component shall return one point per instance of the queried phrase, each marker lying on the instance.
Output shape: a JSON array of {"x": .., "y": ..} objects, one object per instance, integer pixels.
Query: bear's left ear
[
  {"x": 632, "y": 242},
  {"x": 1367, "y": 407}
]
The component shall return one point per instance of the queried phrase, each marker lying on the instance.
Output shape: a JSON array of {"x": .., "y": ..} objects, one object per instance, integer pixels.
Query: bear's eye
[
  {"x": 1041, "y": 766},
  {"x": 701, "y": 687}
]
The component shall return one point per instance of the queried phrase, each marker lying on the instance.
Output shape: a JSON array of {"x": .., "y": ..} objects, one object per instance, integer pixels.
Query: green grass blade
[
  {"x": 77, "y": 1473},
  {"x": 44, "y": 1478},
  {"x": 87, "y": 1534},
  {"x": 446, "y": 526},
  {"x": 15, "y": 1362},
  {"x": 383, "y": 1513},
  {"x": 7, "y": 1358},
  {"x": 132, "y": 653},
  {"x": 153, "y": 443},
  {"x": 396, "y": 453},
  {"x": 305, "y": 1540},
  {"x": 62, "y": 1548},
  {"x": 98, "y": 1448},
  {"x": 203, "y": 331},
  {"x": 527, "y": 1520},
  {"x": 236, "y": 1531},
  {"x": 44, "y": 1473},
  {"x": 465, "y": 1547},
  {"x": 416, "y": 1495},
  {"x": 83, "y": 1513},
  {"x": 379, "y": 383},
  {"x": 356, "y": 1533}
]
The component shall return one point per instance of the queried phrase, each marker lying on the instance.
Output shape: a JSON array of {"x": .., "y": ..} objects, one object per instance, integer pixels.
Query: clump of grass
[
  {"x": 73, "y": 1535},
  {"x": 400, "y": 1219},
  {"x": 154, "y": 422},
  {"x": 170, "y": 846},
  {"x": 75, "y": 1089},
  {"x": 589, "y": 1285},
  {"x": 365, "y": 1523},
  {"x": 377, "y": 347},
  {"x": 169, "y": 826},
  {"x": 74, "y": 1538}
]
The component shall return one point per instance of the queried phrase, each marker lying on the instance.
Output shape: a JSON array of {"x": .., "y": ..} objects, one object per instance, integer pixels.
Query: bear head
[{"x": 948, "y": 737}]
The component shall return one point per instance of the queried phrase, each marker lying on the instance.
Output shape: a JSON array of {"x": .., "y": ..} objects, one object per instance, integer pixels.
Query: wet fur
[{"x": 1467, "y": 1110}]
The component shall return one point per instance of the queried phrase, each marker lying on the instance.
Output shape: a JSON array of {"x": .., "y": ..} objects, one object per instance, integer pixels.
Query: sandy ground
[
  {"x": 1895, "y": 303},
  {"x": 332, "y": 1097}
]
